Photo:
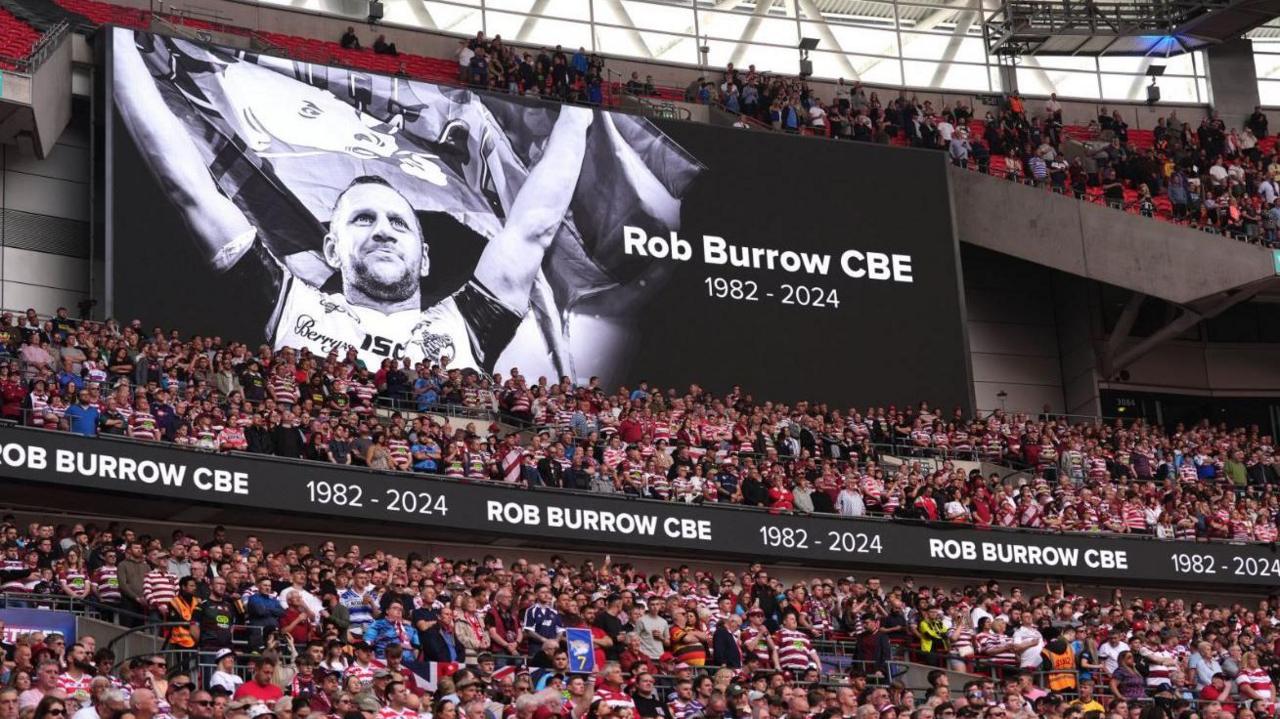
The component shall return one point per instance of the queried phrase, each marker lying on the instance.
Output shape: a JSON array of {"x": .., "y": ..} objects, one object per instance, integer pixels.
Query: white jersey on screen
[{"x": 311, "y": 318}]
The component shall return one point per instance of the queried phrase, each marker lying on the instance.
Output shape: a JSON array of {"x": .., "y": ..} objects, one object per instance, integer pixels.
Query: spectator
[
  {"x": 349, "y": 40},
  {"x": 224, "y": 676},
  {"x": 382, "y": 47},
  {"x": 261, "y": 687}
]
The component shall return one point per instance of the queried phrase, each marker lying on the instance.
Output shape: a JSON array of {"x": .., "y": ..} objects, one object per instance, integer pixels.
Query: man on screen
[{"x": 374, "y": 242}]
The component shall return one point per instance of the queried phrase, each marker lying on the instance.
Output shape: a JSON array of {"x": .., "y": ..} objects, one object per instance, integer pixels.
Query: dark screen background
[{"x": 886, "y": 343}]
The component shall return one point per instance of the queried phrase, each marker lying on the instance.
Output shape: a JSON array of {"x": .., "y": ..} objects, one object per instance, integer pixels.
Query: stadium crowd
[
  {"x": 367, "y": 633},
  {"x": 1206, "y": 175},
  {"x": 553, "y": 73},
  {"x": 1205, "y": 481}
]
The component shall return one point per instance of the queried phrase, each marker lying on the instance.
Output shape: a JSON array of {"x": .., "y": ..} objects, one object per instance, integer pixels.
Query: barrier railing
[{"x": 40, "y": 52}]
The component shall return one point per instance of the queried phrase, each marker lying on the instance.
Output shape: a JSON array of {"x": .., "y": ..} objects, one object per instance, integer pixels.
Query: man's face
[
  {"x": 375, "y": 242},
  {"x": 201, "y": 705}
]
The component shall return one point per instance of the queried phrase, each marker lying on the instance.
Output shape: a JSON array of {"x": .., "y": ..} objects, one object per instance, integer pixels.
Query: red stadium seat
[{"x": 16, "y": 39}]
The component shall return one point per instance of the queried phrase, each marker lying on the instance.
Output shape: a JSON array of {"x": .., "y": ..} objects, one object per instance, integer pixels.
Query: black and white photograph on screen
[
  {"x": 281, "y": 203},
  {"x": 347, "y": 212}
]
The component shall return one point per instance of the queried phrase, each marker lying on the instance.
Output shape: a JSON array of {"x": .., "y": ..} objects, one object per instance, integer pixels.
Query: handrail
[{"x": 64, "y": 602}]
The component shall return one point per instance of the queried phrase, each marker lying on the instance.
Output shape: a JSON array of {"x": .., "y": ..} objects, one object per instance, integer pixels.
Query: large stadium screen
[{"x": 274, "y": 202}]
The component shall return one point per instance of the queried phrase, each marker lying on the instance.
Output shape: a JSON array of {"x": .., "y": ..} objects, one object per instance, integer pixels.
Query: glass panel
[
  {"x": 871, "y": 70},
  {"x": 568, "y": 9},
  {"x": 1174, "y": 89},
  {"x": 453, "y": 18},
  {"x": 777, "y": 31},
  {"x": 621, "y": 41},
  {"x": 722, "y": 25},
  {"x": 1203, "y": 85},
  {"x": 1269, "y": 92},
  {"x": 995, "y": 80},
  {"x": 851, "y": 37},
  {"x": 672, "y": 48},
  {"x": 1268, "y": 66},
  {"x": 654, "y": 16},
  {"x": 952, "y": 76},
  {"x": 1033, "y": 81},
  {"x": 733, "y": 26},
  {"x": 938, "y": 47},
  {"x": 1182, "y": 64},
  {"x": 1128, "y": 87},
  {"x": 538, "y": 31},
  {"x": 1136, "y": 65},
  {"x": 779, "y": 60},
  {"x": 522, "y": 6}
]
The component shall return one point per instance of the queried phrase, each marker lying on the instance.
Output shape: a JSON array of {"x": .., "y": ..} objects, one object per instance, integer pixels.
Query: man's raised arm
[
  {"x": 214, "y": 220},
  {"x": 511, "y": 260}
]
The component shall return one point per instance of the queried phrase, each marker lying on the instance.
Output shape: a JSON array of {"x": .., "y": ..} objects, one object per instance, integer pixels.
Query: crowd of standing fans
[
  {"x": 1193, "y": 171},
  {"x": 692, "y": 445},
  {"x": 351, "y": 632},
  {"x": 552, "y": 73}
]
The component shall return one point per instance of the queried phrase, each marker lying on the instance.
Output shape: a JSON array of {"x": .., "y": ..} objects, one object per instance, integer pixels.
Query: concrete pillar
[{"x": 1233, "y": 80}]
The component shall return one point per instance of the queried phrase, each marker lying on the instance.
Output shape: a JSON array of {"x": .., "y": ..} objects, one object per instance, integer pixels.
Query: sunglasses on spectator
[
  {"x": 202, "y": 702},
  {"x": 56, "y": 712}
]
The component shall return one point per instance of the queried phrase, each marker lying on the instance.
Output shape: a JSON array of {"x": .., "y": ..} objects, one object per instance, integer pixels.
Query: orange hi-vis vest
[{"x": 1062, "y": 670}]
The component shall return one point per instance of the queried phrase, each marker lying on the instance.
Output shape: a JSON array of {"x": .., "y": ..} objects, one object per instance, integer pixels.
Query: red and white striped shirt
[
  {"x": 159, "y": 587},
  {"x": 1259, "y": 681},
  {"x": 997, "y": 649},
  {"x": 142, "y": 425},
  {"x": 756, "y": 641},
  {"x": 106, "y": 583},
  {"x": 70, "y": 684},
  {"x": 362, "y": 673},
  {"x": 794, "y": 649},
  {"x": 620, "y": 701},
  {"x": 1135, "y": 518}
]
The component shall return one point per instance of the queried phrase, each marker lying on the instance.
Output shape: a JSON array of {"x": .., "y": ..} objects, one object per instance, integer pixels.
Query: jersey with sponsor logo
[
  {"x": 794, "y": 648},
  {"x": 324, "y": 322},
  {"x": 470, "y": 327}
]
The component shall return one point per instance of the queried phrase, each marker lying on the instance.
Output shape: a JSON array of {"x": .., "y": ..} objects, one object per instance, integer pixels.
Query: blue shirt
[
  {"x": 83, "y": 419},
  {"x": 384, "y": 632},
  {"x": 70, "y": 378},
  {"x": 545, "y": 621},
  {"x": 429, "y": 464}
]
